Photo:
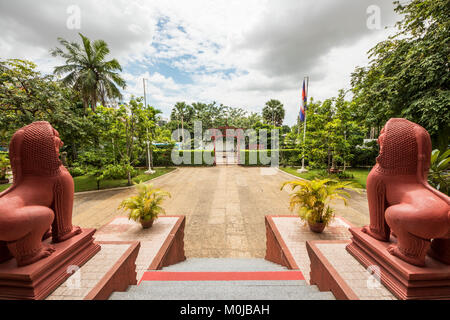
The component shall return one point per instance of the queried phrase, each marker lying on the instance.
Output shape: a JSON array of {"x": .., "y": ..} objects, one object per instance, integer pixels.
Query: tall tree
[
  {"x": 409, "y": 73},
  {"x": 87, "y": 71},
  {"x": 273, "y": 113},
  {"x": 123, "y": 132},
  {"x": 182, "y": 112},
  {"x": 26, "y": 96}
]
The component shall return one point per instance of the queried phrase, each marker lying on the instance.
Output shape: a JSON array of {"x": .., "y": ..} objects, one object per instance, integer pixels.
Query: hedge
[
  {"x": 289, "y": 157},
  {"x": 163, "y": 158}
]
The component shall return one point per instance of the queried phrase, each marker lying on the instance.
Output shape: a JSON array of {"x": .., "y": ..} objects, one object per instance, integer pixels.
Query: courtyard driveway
[{"x": 224, "y": 208}]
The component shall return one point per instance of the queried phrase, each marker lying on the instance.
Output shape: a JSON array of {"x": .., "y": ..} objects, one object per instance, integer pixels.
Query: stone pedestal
[
  {"x": 37, "y": 281},
  {"x": 404, "y": 280}
]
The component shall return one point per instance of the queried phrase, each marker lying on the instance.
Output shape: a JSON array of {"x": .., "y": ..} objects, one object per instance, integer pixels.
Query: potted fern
[
  {"x": 312, "y": 198},
  {"x": 145, "y": 207}
]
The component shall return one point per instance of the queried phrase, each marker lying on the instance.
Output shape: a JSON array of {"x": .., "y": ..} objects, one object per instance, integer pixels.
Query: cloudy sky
[{"x": 239, "y": 53}]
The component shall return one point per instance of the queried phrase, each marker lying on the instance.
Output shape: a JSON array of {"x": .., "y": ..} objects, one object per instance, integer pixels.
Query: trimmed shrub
[
  {"x": 118, "y": 171},
  {"x": 163, "y": 158},
  {"x": 289, "y": 157},
  {"x": 365, "y": 156}
]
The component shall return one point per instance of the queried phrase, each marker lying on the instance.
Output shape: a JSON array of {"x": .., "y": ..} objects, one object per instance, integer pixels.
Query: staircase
[{"x": 223, "y": 279}]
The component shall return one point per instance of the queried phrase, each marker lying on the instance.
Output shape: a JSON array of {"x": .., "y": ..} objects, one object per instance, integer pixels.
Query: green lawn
[
  {"x": 86, "y": 183},
  {"x": 359, "y": 180},
  {"x": 4, "y": 187}
]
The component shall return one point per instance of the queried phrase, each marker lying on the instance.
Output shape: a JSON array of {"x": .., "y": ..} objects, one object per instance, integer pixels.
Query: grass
[
  {"x": 86, "y": 183},
  {"x": 359, "y": 175},
  {"x": 4, "y": 186}
]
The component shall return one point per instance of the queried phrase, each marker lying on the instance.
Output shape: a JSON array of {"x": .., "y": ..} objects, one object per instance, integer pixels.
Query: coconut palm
[
  {"x": 87, "y": 71},
  {"x": 273, "y": 113},
  {"x": 182, "y": 112},
  {"x": 312, "y": 198},
  {"x": 146, "y": 205}
]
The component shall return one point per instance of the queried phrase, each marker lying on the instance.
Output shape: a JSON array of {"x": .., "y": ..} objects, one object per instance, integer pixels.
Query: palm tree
[
  {"x": 182, "y": 111},
  {"x": 87, "y": 71},
  {"x": 274, "y": 113}
]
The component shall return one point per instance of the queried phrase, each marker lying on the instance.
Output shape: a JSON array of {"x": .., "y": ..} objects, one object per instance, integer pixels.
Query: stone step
[
  {"x": 222, "y": 291},
  {"x": 224, "y": 265},
  {"x": 243, "y": 283},
  {"x": 229, "y": 279}
]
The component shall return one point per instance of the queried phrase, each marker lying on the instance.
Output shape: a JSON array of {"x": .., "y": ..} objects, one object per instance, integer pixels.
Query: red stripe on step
[{"x": 221, "y": 276}]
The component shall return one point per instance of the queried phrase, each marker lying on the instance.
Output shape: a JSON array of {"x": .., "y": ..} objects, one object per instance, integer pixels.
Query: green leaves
[
  {"x": 273, "y": 113},
  {"x": 26, "y": 96},
  {"x": 146, "y": 205},
  {"x": 408, "y": 74},
  {"x": 4, "y": 165},
  {"x": 87, "y": 72},
  {"x": 439, "y": 175},
  {"x": 312, "y": 198},
  {"x": 211, "y": 115}
]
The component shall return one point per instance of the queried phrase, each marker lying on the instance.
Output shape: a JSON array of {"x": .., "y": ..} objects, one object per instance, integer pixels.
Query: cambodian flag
[{"x": 304, "y": 103}]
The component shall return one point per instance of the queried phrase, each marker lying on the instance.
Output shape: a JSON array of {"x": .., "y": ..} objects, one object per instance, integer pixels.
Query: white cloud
[{"x": 237, "y": 53}]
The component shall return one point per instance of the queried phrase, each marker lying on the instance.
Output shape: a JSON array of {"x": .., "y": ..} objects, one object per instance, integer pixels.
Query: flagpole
[
  {"x": 150, "y": 170},
  {"x": 303, "y": 169}
]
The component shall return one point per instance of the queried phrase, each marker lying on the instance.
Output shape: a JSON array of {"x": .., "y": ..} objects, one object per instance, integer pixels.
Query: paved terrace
[{"x": 224, "y": 207}]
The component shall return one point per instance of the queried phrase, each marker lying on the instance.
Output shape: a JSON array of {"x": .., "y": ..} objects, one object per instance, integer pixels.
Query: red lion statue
[
  {"x": 41, "y": 196},
  {"x": 401, "y": 200}
]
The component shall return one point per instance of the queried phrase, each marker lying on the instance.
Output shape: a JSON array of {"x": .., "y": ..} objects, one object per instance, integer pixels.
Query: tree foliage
[
  {"x": 87, "y": 72},
  {"x": 123, "y": 133},
  {"x": 408, "y": 75},
  {"x": 274, "y": 113},
  {"x": 211, "y": 115},
  {"x": 27, "y": 96},
  {"x": 312, "y": 198}
]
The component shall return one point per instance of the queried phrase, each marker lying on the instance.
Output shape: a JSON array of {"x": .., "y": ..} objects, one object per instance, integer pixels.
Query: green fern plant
[
  {"x": 146, "y": 205},
  {"x": 312, "y": 198},
  {"x": 439, "y": 175}
]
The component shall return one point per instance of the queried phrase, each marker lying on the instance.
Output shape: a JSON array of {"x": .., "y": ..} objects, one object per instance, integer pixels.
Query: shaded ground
[{"x": 224, "y": 207}]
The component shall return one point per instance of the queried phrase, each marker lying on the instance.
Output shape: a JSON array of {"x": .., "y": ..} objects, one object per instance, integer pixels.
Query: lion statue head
[
  {"x": 34, "y": 150},
  {"x": 405, "y": 148}
]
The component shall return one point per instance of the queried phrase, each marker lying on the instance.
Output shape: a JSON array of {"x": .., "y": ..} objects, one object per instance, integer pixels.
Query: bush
[
  {"x": 192, "y": 153},
  {"x": 96, "y": 159},
  {"x": 341, "y": 175},
  {"x": 4, "y": 165},
  {"x": 163, "y": 158},
  {"x": 365, "y": 156},
  {"x": 290, "y": 157},
  {"x": 77, "y": 171},
  {"x": 118, "y": 171},
  {"x": 344, "y": 175},
  {"x": 439, "y": 176}
]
